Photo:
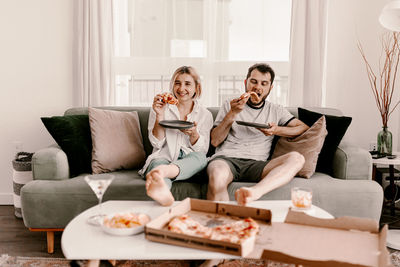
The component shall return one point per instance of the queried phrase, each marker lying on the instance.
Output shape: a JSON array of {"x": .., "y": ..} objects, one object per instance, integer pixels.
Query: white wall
[
  {"x": 35, "y": 75},
  {"x": 347, "y": 83},
  {"x": 36, "y": 72}
]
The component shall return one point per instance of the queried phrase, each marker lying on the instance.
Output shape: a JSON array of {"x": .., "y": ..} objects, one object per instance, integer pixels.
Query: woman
[{"x": 177, "y": 154}]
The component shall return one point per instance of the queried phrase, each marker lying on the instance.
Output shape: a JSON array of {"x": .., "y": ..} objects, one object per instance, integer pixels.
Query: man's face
[{"x": 259, "y": 83}]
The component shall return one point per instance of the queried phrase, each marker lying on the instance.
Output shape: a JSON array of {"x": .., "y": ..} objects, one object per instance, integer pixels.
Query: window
[{"x": 220, "y": 38}]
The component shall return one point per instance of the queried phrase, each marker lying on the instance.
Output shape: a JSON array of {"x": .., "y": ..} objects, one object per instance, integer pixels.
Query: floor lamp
[{"x": 390, "y": 19}]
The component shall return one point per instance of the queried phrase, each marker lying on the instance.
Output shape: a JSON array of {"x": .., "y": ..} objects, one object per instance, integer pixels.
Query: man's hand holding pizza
[{"x": 237, "y": 104}]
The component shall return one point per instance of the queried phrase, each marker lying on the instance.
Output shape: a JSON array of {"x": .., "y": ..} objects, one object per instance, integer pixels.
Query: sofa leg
[
  {"x": 49, "y": 236},
  {"x": 50, "y": 242}
]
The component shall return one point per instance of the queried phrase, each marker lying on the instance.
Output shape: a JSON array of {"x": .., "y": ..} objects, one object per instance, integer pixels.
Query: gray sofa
[{"x": 53, "y": 198}]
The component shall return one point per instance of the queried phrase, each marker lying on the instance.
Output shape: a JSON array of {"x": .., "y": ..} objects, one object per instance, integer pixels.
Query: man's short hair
[{"x": 263, "y": 68}]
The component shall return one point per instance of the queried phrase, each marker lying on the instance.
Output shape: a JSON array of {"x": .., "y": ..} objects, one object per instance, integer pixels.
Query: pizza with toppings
[
  {"x": 235, "y": 232},
  {"x": 169, "y": 98},
  {"x": 253, "y": 95}
]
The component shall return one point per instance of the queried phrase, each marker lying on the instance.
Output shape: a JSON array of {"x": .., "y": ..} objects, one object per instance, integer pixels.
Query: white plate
[
  {"x": 393, "y": 239},
  {"x": 123, "y": 231}
]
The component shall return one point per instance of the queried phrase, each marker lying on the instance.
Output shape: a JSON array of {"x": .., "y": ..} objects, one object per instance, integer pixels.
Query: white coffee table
[{"x": 81, "y": 241}]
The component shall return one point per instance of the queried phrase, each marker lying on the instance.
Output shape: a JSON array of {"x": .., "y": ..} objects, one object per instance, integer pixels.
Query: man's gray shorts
[{"x": 244, "y": 170}]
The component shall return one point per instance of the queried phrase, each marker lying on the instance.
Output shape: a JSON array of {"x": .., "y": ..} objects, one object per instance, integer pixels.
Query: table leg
[
  {"x": 392, "y": 186},
  {"x": 373, "y": 172}
]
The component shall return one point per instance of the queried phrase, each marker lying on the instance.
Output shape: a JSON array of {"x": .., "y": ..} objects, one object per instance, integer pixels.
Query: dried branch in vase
[{"x": 384, "y": 80}]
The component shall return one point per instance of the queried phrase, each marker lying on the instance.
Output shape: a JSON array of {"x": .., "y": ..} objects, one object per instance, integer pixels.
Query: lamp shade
[{"x": 390, "y": 16}]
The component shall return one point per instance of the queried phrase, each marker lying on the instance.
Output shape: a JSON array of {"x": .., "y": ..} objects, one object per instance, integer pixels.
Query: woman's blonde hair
[{"x": 192, "y": 72}]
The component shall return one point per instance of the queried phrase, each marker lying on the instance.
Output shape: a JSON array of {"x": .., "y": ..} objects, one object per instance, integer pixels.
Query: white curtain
[
  {"x": 93, "y": 52},
  {"x": 307, "y": 52}
]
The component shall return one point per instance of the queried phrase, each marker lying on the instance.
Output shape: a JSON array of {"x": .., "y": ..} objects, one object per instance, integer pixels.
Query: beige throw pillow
[
  {"x": 117, "y": 140},
  {"x": 308, "y": 144}
]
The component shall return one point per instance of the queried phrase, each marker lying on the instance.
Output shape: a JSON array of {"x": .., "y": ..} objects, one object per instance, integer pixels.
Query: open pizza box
[
  {"x": 309, "y": 241},
  {"x": 301, "y": 239},
  {"x": 210, "y": 214}
]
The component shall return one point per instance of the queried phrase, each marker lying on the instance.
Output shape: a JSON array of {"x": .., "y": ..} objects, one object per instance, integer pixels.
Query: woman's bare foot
[
  {"x": 157, "y": 189},
  {"x": 245, "y": 195}
]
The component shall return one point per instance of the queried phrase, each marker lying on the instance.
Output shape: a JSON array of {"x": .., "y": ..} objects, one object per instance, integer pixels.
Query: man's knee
[
  {"x": 218, "y": 175},
  {"x": 296, "y": 157}
]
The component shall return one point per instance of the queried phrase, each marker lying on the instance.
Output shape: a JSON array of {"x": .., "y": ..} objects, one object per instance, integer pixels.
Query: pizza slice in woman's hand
[{"x": 169, "y": 98}]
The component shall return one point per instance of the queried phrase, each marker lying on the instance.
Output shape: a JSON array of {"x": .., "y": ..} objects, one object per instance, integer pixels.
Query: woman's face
[{"x": 184, "y": 87}]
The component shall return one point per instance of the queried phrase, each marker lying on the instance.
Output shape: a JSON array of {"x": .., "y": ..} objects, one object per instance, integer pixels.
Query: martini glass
[{"x": 99, "y": 184}]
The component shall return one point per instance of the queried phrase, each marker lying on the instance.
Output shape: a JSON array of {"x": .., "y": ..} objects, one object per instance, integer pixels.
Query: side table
[{"x": 390, "y": 163}]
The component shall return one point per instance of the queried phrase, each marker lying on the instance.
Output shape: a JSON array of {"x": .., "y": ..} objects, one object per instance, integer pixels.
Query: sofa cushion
[
  {"x": 336, "y": 126},
  {"x": 117, "y": 140},
  {"x": 308, "y": 144},
  {"x": 72, "y": 134}
]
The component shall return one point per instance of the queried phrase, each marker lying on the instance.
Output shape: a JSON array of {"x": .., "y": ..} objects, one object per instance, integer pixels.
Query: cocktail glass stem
[
  {"x": 100, "y": 207},
  {"x": 99, "y": 184}
]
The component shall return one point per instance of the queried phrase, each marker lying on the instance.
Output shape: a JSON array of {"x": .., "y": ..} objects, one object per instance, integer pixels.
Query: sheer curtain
[
  {"x": 307, "y": 52},
  {"x": 221, "y": 39},
  {"x": 93, "y": 51}
]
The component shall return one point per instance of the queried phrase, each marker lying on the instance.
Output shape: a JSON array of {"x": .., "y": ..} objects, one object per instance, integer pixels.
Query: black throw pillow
[
  {"x": 336, "y": 126},
  {"x": 72, "y": 134}
]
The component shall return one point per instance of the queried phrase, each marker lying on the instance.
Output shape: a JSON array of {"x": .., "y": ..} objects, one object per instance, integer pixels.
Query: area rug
[{"x": 11, "y": 261}]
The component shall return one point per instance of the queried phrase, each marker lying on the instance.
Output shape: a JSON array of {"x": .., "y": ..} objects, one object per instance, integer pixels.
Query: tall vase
[{"x": 385, "y": 142}]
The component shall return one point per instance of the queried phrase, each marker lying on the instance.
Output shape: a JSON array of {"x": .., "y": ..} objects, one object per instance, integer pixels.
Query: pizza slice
[
  {"x": 254, "y": 96},
  {"x": 184, "y": 224},
  {"x": 169, "y": 98},
  {"x": 235, "y": 232}
]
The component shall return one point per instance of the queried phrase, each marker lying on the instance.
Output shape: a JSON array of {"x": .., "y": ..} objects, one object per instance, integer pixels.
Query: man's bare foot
[
  {"x": 157, "y": 189},
  {"x": 245, "y": 195}
]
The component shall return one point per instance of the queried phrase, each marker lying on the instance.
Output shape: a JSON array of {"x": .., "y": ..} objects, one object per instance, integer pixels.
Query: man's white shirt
[{"x": 249, "y": 142}]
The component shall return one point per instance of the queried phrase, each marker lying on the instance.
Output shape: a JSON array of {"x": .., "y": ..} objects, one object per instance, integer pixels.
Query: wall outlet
[{"x": 373, "y": 146}]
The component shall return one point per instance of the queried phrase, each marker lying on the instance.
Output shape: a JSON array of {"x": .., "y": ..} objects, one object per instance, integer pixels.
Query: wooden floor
[{"x": 17, "y": 240}]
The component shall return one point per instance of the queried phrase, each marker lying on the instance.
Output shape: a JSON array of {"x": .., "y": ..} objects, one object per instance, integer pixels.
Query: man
[{"x": 242, "y": 151}]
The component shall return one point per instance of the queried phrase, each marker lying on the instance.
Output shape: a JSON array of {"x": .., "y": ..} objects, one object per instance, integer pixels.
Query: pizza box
[
  {"x": 309, "y": 241},
  {"x": 301, "y": 239},
  {"x": 211, "y": 214}
]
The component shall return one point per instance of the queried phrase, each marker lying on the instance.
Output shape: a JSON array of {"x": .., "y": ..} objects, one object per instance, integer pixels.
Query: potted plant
[{"x": 383, "y": 83}]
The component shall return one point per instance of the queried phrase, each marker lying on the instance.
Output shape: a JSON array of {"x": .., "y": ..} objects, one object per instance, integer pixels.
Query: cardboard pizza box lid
[{"x": 310, "y": 241}]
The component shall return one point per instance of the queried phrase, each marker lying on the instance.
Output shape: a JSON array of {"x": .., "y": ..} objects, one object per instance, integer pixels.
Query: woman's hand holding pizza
[{"x": 159, "y": 106}]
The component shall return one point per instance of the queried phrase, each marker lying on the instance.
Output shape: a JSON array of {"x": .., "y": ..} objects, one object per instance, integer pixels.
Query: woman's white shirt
[{"x": 174, "y": 140}]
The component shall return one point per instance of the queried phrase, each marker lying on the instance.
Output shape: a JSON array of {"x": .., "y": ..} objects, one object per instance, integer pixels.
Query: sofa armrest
[
  {"x": 50, "y": 163},
  {"x": 352, "y": 163}
]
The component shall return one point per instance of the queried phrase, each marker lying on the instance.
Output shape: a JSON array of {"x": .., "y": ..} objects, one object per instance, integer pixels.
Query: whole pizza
[{"x": 235, "y": 232}]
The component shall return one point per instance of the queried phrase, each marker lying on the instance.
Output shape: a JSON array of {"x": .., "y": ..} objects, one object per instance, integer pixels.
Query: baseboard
[{"x": 6, "y": 199}]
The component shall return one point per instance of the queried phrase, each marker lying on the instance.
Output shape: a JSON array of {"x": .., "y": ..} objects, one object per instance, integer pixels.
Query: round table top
[{"x": 83, "y": 241}]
